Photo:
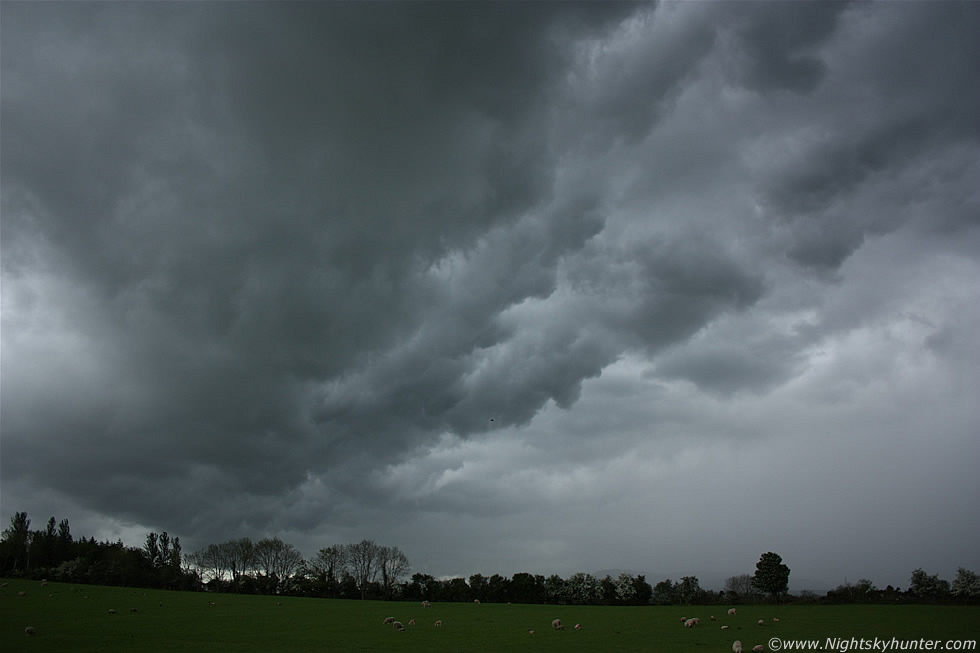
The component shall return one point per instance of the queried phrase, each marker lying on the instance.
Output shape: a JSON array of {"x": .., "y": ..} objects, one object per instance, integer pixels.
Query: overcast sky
[{"x": 513, "y": 287}]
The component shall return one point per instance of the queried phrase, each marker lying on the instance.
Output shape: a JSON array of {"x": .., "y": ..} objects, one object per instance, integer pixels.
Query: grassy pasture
[{"x": 76, "y": 618}]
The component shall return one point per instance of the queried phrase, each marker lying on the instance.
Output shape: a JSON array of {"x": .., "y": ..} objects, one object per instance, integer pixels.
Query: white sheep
[
  {"x": 690, "y": 623},
  {"x": 737, "y": 646},
  {"x": 411, "y": 622},
  {"x": 762, "y": 622},
  {"x": 477, "y": 601},
  {"x": 426, "y": 604},
  {"x": 683, "y": 619},
  {"x": 724, "y": 627},
  {"x": 439, "y": 623},
  {"x": 775, "y": 619},
  {"x": 578, "y": 626},
  {"x": 397, "y": 625},
  {"x": 112, "y": 611},
  {"x": 731, "y": 612},
  {"x": 556, "y": 624},
  {"x": 29, "y": 631},
  {"x": 387, "y": 621},
  {"x": 758, "y": 648},
  {"x": 713, "y": 618}
]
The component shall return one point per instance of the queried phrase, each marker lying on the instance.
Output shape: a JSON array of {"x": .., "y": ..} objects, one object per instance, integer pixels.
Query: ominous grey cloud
[
  {"x": 777, "y": 45},
  {"x": 519, "y": 275}
]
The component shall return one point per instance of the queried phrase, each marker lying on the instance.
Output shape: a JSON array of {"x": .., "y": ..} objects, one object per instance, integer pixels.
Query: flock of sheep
[
  {"x": 557, "y": 624},
  {"x": 737, "y": 645},
  {"x": 397, "y": 625}
]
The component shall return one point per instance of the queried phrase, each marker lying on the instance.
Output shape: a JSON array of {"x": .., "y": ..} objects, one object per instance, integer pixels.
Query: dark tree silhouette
[{"x": 771, "y": 575}]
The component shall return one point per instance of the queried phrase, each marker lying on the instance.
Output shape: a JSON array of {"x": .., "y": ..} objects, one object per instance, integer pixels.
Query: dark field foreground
[{"x": 77, "y": 618}]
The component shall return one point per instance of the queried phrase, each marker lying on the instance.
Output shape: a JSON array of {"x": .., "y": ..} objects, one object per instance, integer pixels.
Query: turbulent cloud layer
[{"x": 515, "y": 287}]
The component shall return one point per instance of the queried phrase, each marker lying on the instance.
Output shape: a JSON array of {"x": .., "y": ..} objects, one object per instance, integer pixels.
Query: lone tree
[
  {"x": 392, "y": 564},
  {"x": 362, "y": 560},
  {"x": 771, "y": 575}
]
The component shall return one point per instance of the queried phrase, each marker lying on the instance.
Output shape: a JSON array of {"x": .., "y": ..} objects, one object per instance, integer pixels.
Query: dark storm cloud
[
  {"x": 922, "y": 97},
  {"x": 317, "y": 268},
  {"x": 623, "y": 86},
  {"x": 251, "y": 198},
  {"x": 727, "y": 368},
  {"x": 778, "y": 42}
]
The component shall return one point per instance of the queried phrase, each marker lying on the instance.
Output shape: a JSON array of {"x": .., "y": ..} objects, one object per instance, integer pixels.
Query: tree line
[
  {"x": 368, "y": 570},
  {"x": 362, "y": 570},
  {"x": 53, "y": 552}
]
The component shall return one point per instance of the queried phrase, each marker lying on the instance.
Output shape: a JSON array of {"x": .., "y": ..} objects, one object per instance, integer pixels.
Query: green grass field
[{"x": 77, "y": 618}]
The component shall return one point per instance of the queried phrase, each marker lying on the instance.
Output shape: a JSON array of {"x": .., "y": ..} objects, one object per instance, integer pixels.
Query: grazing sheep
[
  {"x": 724, "y": 627},
  {"x": 683, "y": 619},
  {"x": 29, "y": 631},
  {"x": 411, "y": 622},
  {"x": 731, "y": 612},
  {"x": 530, "y": 632},
  {"x": 737, "y": 646},
  {"x": 439, "y": 623},
  {"x": 112, "y": 611},
  {"x": 758, "y": 648},
  {"x": 426, "y": 604},
  {"x": 762, "y": 622},
  {"x": 690, "y": 623},
  {"x": 397, "y": 625},
  {"x": 2, "y": 585},
  {"x": 713, "y": 617},
  {"x": 22, "y": 593},
  {"x": 477, "y": 601},
  {"x": 578, "y": 626},
  {"x": 775, "y": 618},
  {"x": 556, "y": 624},
  {"x": 387, "y": 621}
]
